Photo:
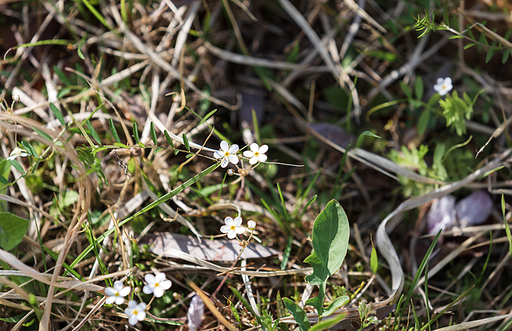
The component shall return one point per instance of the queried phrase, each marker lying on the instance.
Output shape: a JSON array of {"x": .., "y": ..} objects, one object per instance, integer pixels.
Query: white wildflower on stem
[
  {"x": 256, "y": 154},
  {"x": 251, "y": 225},
  {"x": 157, "y": 284},
  {"x": 443, "y": 85},
  {"x": 117, "y": 293},
  {"x": 232, "y": 227},
  {"x": 226, "y": 154},
  {"x": 136, "y": 312},
  {"x": 17, "y": 152}
]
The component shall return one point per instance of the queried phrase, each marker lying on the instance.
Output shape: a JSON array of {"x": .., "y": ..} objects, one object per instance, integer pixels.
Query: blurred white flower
[
  {"x": 157, "y": 284},
  {"x": 195, "y": 313},
  {"x": 257, "y": 153},
  {"x": 251, "y": 225},
  {"x": 443, "y": 86},
  {"x": 136, "y": 312},
  {"x": 232, "y": 227},
  {"x": 17, "y": 152},
  {"x": 16, "y": 98},
  {"x": 117, "y": 293},
  {"x": 226, "y": 154}
]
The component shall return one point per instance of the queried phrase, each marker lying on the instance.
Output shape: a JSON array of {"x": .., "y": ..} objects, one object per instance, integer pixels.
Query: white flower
[
  {"x": 443, "y": 86},
  {"x": 251, "y": 225},
  {"x": 232, "y": 227},
  {"x": 136, "y": 312},
  {"x": 257, "y": 153},
  {"x": 226, "y": 153},
  {"x": 157, "y": 284},
  {"x": 117, "y": 293},
  {"x": 16, "y": 98},
  {"x": 17, "y": 152}
]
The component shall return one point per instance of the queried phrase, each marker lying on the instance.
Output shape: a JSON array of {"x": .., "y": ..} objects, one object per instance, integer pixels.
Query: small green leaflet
[
  {"x": 57, "y": 114},
  {"x": 113, "y": 130},
  {"x": 374, "y": 260},
  {"x": 29, "y": 148},
  {"x": 12, "y": 230},
  {"x": 135, "y": 133},
  {"x": 42, "y": 134},
  {"x": 168, "y": 138},
  {"x": 17, "y": 165},
  {"x": 79, "y": 49},
  {"x": 185, "y": 142},
  {"x": 93, "y": 132},
  {"x": 153, "y": 133}
]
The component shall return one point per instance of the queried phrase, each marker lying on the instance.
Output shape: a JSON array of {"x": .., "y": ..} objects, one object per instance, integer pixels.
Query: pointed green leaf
[
  {"x": 12, "y": 230},
  {"x": 168, "y": 138},
  {"x": 374, "y": 261},
  {"x": 185, "y": 142},
  {"x": 17, "y": 165},
  {"x": 207, "y": 116},
  {"x": 135, "y": 133},
  {"x": 57, "y": 114},
  {"x": 298, "y": 314},
  {"x": 93, "y": 132},
  {"x": 29, "y": 148},
  {"x": 79, "y": 49},
  {"x": 153, "y": 133},
  {"x": 113, "y": 130},
  {"x": 42, "y": 134},
  {"x": 418, "y": 87},
  {"x": 340, "y": 301}
]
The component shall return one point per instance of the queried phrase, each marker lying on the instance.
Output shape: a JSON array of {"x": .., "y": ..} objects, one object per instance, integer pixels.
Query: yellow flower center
[
  {"x": 117, "y": 294},
  {"x": 233, "y": 227},
  {"x": 256, "y": 153},
  {"x": 226, "y": 154},
  {"x": 135, "y": 312},
  {"x": 157, "y": 284}
]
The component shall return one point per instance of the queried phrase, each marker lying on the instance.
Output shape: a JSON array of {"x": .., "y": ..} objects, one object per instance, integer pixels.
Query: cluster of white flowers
[
  {"x": 156, "y": 285},
  {"x": 228, "y": 154},
  {"x": 233, "y": 227}
]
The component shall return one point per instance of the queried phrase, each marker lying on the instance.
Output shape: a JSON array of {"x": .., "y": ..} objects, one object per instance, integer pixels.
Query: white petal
[
  {"x": 263, "y": 148},
  {"x": 148, "y": 289},
  {"x": 224, "y": 162},
  {"x": 12, "y": 157},
  {"x": 262, "y": 158},
  {"x": 119, "y": 300},
  {"x": 238, "y": 221},
  {"x": 440, "y": 81},
  {"x": 248, "y": 153},
  {"x": 233, "y": 149},
  {"x": 228, "y": 221},
  {"x": 110, "y": 291},
  {"x": 225, "y": 229},
  {"x": 166, "y": 284},
  {"x": 150, "y": 278},
  {"x": 218, "y": 154},
  {"x": 448, "y": 81},
  {"x": 240, "y": 229},
  {"x": 233, "y": 159},
  {"x": 133, "y": 319},
  {"x": 160, "y": 277},
  {"x": 251, "y": 224},
  {"x": 125, "y": 291},
  {"x": 141, "y": 307},
  {"x": 231, "y": 234},
  {"x": 254, "y": 147},
  {"x": 131, "y": 305},
  {"x": 158, "y": 292},
  {"x": 224, "y": 145},
  {"x": 253, "y": 160},
  {"x": 141, "y": 316},
  {"x": 110, "y": 300}
]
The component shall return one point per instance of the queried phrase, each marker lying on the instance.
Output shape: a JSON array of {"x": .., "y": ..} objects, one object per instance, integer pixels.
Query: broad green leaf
[
  {"x": 12, "y": 230},
  {"x": 318, "y": 301},
  {"x": 57, "y": 114},
  {"x": 340, "y": 301},
  {"x": 93, "y": 132},
  {"x": 5, "y": 170},
  {"x": 153, "y": 133},
  {"x": 298, "y": 314},
  {"x": 113, "y": 129},
  {"x": 330, "y": 241},
  {"x": 374, "y": 261}
]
